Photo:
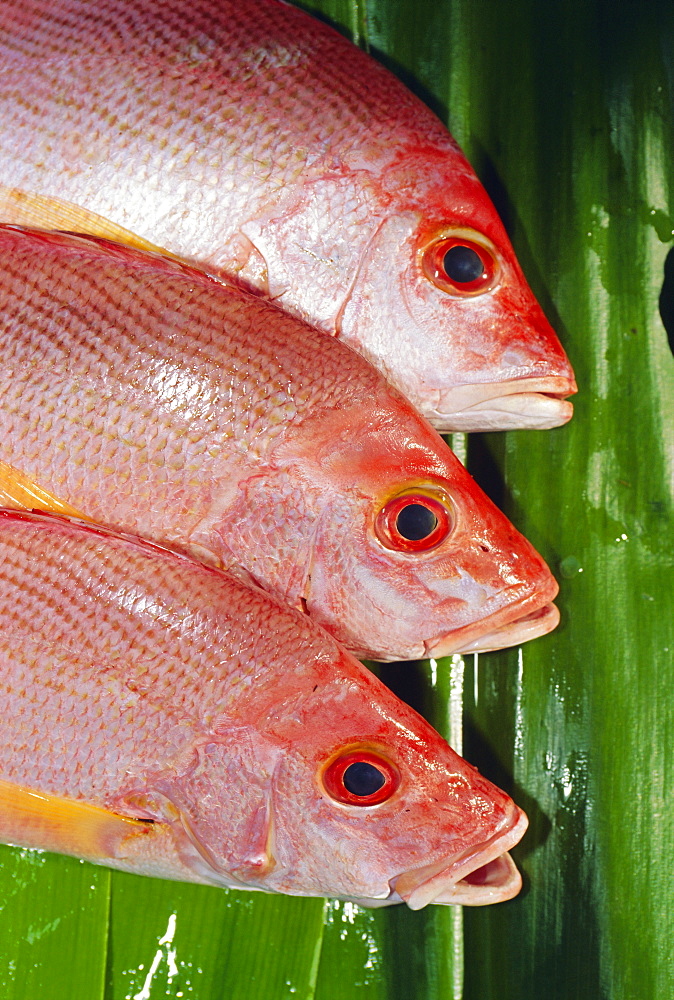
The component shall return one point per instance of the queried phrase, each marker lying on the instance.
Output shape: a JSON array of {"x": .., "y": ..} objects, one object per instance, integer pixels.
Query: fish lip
[
  {"x": 497, "y": 629},
  {"x": 529, "y": 626},
  {"x": 447, "y": 882},
  {"x": 534, "y": 403}
]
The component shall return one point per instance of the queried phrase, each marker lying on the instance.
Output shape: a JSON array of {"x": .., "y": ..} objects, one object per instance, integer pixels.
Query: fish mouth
[
  {"x": 477, "y": 877},
  {"x": 518, "y": 404},
  {"x": 530, "y": 626}
]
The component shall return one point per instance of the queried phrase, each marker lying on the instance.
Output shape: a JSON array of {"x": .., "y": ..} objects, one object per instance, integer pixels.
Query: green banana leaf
[{"x": 565, "y": 110}]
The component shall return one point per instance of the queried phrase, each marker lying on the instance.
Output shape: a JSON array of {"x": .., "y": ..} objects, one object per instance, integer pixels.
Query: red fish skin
[
  {"x": 251, "y": 137},
  {"x": 155, "y": 399},
  {"x": 142, "y": 682}
]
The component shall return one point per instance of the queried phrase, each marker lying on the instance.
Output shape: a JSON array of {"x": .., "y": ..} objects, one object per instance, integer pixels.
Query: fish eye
[
  {"x": 463, "y": 264},
  {"x": 414, "y": 522},
  {"x": 460, "y": 265},
  {"x": 361, "y": 778}
]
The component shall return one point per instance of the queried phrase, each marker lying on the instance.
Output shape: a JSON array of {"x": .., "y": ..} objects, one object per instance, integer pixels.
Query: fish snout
[
  {"x": 506, "y": 616},
  {"x": 536, "y": 402},
  {"x": 525, "y": 377},
  {"x": 477, "y": 877},
  {"x": 481, "y": 639}
]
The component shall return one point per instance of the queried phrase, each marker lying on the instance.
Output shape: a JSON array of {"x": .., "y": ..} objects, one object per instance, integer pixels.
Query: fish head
[
  {"x": 334, "y": 787},
  {"x": 409, "y": 558},
  {"x": 369, "y": 803},
  {"x": 441, "y": 305}
]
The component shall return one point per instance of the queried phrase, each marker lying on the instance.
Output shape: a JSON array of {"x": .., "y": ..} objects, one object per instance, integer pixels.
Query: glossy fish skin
[
  {"x": 140, "y": 684},
  {"x": 249, "y": 136},
  {"x": 150, "y": 397}
]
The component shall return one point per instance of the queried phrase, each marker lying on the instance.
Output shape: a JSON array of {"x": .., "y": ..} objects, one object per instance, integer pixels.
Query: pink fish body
[
  {"x": 164, "y": 718},
  {"x": 151, "y": 397},
  {"x": 249, "y": 136}
]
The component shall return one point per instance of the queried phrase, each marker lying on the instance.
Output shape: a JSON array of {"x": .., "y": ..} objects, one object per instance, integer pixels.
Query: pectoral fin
[
  {"x": 19, "y": 490},
  {"x": 37, "y": 819},
  {"x": 23, "y": 208}
]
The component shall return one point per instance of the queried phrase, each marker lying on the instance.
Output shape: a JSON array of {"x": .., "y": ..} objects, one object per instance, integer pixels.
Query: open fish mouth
[
  {"x": 519, "y": 404},
  {"x": 529, "y": 626},
  {"x": 477, "y": 877}
]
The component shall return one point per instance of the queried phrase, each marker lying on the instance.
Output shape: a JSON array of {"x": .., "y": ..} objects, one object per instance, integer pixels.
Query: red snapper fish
[
  {"x": 164, "y": 718},
  {"x": 146, "y": 395},
  {"x": 248, "y": 136}
]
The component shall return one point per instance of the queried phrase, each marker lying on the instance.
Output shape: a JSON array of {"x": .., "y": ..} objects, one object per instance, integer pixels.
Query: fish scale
[
  {"x": 65, "y": 332},
  {"x": 247, "y": 136}
]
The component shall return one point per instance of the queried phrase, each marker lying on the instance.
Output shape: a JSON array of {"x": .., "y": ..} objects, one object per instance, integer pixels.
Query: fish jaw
[
  {"x": 476, "y": 877},
  {"x": 528, "y": 403},
  {"x": 529, "y": 626}
]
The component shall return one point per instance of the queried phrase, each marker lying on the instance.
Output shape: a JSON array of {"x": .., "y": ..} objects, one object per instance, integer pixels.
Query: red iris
[
  {"x": 459, "y": 265},
  {"x": 361, "y": 778},
  {"x": 414, "y": 522}
]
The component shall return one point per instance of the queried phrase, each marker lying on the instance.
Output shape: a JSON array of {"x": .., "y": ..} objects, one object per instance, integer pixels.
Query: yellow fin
[
  {"x": 23, "y": 208},
  {"x": 18, "y": 490},
  {"x": 38, "y": 819}
]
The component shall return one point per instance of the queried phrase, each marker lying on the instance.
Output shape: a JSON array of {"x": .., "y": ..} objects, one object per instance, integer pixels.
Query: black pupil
[
  {"x": 362, "y": 778},
  {"x": 415, "y": 522},
  {"x": 462, "y": 264}
]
